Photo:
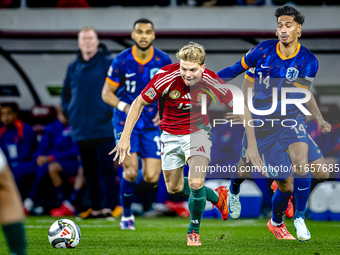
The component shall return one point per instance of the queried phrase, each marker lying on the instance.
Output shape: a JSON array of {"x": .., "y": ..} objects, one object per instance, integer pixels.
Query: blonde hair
[
  {"x": 192, "y": 52},
  {"x": 85, "y": 29}
]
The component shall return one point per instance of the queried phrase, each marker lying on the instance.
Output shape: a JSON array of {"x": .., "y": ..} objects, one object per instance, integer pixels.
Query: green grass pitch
[{"x": 168, "y": 236}]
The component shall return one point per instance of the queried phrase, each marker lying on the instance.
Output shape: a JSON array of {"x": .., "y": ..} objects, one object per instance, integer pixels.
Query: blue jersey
[
  {"x": 131, "y": 75},
  {"x": 272, "y": 69}
]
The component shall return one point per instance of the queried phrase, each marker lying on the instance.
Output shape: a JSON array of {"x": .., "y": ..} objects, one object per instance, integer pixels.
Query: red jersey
[{"x": 179, "y": 104}]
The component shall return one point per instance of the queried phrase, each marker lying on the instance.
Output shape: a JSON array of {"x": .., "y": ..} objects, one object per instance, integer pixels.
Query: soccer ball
[{"x": 64, "y": 233}]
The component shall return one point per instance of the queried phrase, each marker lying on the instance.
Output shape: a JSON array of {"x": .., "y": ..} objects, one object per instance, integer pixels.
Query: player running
[
  {"x": 185, "y": 131},
  {"x": 129, "y": 74},
  {"x": 279, "y": 64}
]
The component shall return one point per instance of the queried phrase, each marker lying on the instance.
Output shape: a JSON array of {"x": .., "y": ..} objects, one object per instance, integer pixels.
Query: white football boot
[
  {"x": 301, "y": 229},
  {"x": 234, "y": 205}
]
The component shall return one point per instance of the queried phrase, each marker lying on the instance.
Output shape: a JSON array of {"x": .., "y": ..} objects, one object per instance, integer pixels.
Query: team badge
[
  {"x": 274, "y": 172},
  {"x": 199, "y": 97},
  {"x": 175, "y": 94},
  {"x": 292, "y": 74},
  {"x": 151, "y": 93}
]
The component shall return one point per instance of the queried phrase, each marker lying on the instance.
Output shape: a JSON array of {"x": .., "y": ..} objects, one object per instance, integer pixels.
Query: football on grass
[{"x": 64, "y": 233}]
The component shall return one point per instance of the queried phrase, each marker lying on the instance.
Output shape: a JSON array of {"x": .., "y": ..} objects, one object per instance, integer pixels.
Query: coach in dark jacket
[{"x": 90, "y": 119}]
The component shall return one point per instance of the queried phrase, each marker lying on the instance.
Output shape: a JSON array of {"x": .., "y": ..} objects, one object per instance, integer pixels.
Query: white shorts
[
  {"x": 3, "y": 161},
  {"x": 177, "y": 149}
]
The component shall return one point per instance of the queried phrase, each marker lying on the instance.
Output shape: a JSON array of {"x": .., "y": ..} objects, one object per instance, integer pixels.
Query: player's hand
[
  {"x": 236, "y": 119},
  {"x": 156, "y": 120},
  {"x": 253, "y": 156},
  {"x": 127, "y": 108},
  {"x": 326, "y": 127},
  {"x": 121, "y": 149},
  {"x": 41, "y": 160}
]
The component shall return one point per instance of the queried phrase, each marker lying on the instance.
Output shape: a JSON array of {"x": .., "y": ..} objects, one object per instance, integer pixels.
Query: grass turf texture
[{"x": 168, "y": 236}]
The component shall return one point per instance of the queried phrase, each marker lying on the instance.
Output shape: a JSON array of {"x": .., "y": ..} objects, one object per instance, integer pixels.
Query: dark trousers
[{"x": 100, "y": 173}]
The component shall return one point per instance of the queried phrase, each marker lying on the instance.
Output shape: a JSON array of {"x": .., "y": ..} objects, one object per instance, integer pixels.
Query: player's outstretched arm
[
  {"x": 314, "y": 109},
  {"x": 252, "y": 151},
  {"x": 109, "y": 97},
  {"x": 123, "y": 146}
]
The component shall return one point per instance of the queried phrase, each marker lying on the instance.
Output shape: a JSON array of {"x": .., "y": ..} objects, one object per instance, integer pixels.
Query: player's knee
[
  {"x": 322, "y": 175},
  {"x": 151, "y": 178},
  {"x": 301, "y": 166},
  {"x": 130, "y": 175},
  {"x": 196, "y": 183},
  {"x": 173, "y": 188}
]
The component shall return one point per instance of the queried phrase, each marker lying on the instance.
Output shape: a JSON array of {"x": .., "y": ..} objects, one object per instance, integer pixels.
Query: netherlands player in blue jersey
[
  {"x": 279, "y": 64},
  {"x": 129, "y": 73}
]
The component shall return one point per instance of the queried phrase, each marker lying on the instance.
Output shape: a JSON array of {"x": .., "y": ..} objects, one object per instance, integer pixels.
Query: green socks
[
  {"x": 211, "y": 195},
  {"x": 15, "y": 235},
  {"x": 196, "y": 205}
]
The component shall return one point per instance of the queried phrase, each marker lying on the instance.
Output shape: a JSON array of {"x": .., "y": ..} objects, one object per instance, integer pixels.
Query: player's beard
[{"x": 143, "y": 48}]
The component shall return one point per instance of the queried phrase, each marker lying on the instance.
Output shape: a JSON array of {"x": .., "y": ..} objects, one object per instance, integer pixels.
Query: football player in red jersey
[{"x": 185, "y": 131}]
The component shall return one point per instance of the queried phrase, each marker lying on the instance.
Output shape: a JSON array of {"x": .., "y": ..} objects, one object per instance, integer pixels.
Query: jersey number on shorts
[{"x": 157, "y": 140}]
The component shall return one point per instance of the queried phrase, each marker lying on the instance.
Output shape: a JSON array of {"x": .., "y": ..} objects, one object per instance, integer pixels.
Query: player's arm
[
  {"x": 252, "y": 155},
  {"x": 109, "y": 97},
  {"x": 247, "y": 61},
  {"x": 248, "y": 82},
  {"x": 305, "y": 80},
  {"x": 123, "y": 146},
  {"x": 314, "y": 109}
]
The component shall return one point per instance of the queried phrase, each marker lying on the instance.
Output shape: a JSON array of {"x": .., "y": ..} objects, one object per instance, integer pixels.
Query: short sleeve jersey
[
  {"x": 268, "y": 69},
  {"x": 131, "y": 75},
  {"x": 179, "y": 104}
]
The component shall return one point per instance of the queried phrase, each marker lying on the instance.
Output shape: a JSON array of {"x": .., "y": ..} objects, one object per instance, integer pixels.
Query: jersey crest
[
  {"x": 292, "y": 74},
  {"x": 175, "y": 94}
]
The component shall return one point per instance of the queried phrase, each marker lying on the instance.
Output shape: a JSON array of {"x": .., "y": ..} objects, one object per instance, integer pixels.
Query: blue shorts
[
  {"x": 70, "y": 167},
  {"x": 146, "y": 142},
  {"x": 277, "y": 161}
]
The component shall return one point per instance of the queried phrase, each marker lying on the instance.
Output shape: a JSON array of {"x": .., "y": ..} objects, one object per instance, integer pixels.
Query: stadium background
[{"x": 37, "y": 44}]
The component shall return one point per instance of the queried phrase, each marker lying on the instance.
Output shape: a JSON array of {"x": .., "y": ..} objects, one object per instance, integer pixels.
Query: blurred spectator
[
  {"x": 9, "y": 3},
  {"x": 68, "y": 207},
  {"x": 143, "y": 2},
  {"x": 41, "y": 3},
  {"x": 56, "y": 154},
  {"x": 72, "y": 3},
  {"x": 18, "y": 142},
  {"x": 90, "y": 119}
]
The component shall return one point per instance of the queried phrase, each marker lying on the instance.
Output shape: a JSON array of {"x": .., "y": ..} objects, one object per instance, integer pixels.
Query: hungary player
[{"x": 185, "y": 132}]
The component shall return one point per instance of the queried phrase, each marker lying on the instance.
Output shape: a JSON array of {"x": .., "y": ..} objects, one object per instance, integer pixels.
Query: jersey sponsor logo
[
  {"x": 310, "y": 79},
  {"x": 292, "y": 74},
  {"x": 303, "y": 189},
  {"x": 151, "y": 93},
  {"x": 153, "y": 71},
  {"x": 262, "y": 66},
  {"x": 300, "y": 136},
  {"x": 175, "y": 94},
  {"x": 128, "y": 75},
  {"x": 109, "y": 73}
]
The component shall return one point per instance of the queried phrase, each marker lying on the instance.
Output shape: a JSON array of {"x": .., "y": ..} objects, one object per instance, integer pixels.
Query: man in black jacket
[{"x": 90, "y": 119}]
